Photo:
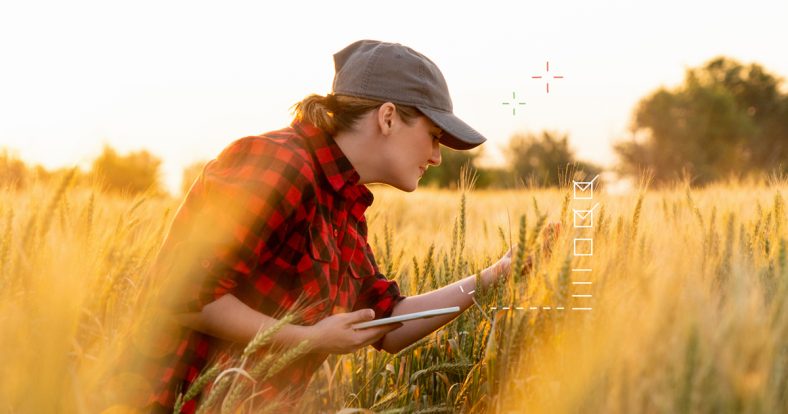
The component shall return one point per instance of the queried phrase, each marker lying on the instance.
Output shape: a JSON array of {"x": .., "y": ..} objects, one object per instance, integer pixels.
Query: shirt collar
[{"x": 334, "y": 164}]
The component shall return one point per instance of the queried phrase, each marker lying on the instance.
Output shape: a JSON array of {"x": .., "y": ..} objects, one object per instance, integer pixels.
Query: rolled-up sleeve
[{"x": 378, "y": 293}]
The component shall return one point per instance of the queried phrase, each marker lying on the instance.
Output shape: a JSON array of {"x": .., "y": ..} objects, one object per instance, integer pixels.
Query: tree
[
  {"x": 723, "y": 119},
  {"x": 16, "y": 174},
  {"x": 542, "y": 159},
  {"x": 134, "y": 173}
]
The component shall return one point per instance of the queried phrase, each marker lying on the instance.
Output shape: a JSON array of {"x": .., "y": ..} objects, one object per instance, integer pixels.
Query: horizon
[{"x": 183, "y": 80}]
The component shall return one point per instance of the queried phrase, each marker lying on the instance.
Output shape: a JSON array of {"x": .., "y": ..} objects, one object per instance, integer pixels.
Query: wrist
[
  {"x": 299, "y": 333},
  {"x": 487, "y": 277},
  {"x": 491, "y": 275}
]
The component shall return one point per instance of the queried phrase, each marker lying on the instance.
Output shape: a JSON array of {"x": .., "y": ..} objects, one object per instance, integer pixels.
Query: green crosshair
[{"x": 514, "y": 107}]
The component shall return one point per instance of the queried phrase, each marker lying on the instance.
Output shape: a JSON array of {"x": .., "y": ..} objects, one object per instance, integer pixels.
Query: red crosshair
[{"x": 548, "y": 82}]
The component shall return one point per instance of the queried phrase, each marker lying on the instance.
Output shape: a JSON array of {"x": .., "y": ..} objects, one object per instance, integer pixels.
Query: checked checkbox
[
  {"x": 584, "y": 190},
  {"x": 584, "y": 218}
]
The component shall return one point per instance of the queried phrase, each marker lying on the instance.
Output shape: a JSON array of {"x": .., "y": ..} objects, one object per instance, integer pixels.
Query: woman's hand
[
  {"x": 502, "y": 267},
  {"x": 334, "y": 334}
]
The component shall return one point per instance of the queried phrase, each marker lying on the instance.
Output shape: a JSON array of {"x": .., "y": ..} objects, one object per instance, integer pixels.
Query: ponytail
[{"x": 337, "y": 113}]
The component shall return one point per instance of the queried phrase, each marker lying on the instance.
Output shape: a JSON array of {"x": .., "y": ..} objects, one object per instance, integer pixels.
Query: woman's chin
[{"x": 408, "y": 187}]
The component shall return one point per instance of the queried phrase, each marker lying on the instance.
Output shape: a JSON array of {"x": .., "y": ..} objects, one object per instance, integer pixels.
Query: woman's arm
[
  {"x": 453, "y": 295},
  {"x": 230, "y": 319},
  {"x": 459, "y": 293}
]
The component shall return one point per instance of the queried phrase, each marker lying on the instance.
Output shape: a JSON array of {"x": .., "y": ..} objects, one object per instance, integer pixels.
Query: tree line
[
  {"x": 532, "y": 157},
  {"x": 726, "y": 119},
  {"x": 132, "y": 173}
]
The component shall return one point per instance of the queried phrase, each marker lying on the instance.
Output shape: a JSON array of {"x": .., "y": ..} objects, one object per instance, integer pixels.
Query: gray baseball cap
[{"x": 396, "y": 73}]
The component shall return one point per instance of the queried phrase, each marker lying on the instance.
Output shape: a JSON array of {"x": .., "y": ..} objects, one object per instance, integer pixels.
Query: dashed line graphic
[
  {"x": 469, "y": 293},
  {"x": 534, "y": 308}
]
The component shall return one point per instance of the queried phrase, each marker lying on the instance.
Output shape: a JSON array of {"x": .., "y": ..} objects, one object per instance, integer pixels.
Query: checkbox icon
[
  {"x": 583, "y": 219},
  {"x": 584, "y": 247},
  {"x": 583, "y": 190}
]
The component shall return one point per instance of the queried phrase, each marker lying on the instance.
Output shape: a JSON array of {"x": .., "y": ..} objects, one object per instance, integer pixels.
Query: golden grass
[{"x": 688, "y": 295}]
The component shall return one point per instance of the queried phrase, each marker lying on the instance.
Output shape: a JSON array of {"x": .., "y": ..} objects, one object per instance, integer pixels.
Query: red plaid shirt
[{"x": 272, "y": 217}]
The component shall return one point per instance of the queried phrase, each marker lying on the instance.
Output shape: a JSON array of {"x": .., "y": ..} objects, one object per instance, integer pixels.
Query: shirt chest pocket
[
  {"x": 322, "y": 244},
  {"x": 360, "y": 262}
]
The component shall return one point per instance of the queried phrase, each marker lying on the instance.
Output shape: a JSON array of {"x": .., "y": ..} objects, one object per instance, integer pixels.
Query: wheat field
[{"x": 687, "y": 296}]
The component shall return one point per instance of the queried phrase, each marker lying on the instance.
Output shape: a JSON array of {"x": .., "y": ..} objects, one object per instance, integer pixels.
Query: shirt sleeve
[
  {"x": 378, "y": 293},
  {"x": 231, "y": 220}
]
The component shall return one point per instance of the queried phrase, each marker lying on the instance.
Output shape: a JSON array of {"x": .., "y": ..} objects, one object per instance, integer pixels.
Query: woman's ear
[{"x": 385, "y": 116}]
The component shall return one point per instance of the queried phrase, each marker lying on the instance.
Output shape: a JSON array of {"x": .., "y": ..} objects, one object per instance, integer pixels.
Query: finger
[
  {"x": 394, "y": 326},
  {"x": 376, "y": 332},
  {"x": 372, "y": 339},
  {"x": 505, "y": 263},
  {"x": 389, "y": 327},
  {"x": 382, "y": 328},
  {"x": 515, "y": 248},
  {"x": 361, "y": 315},
  {"x": 370, "y": 342}
]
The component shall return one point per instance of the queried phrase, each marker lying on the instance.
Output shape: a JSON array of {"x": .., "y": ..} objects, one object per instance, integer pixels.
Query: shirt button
[{"x": 335, "y": 232}]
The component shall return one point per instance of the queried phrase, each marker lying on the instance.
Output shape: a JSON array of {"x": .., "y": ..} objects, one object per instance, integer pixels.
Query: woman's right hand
[{"x": 334, "y": 334}]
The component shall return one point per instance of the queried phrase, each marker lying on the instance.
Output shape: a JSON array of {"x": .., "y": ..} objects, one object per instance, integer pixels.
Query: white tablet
[{"x": 406, "y": 317}]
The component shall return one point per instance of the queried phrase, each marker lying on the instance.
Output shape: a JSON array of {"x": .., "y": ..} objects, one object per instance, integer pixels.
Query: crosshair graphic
[
  {"x": 547, "y": 84},
  {"x": 514, "y": 108}
]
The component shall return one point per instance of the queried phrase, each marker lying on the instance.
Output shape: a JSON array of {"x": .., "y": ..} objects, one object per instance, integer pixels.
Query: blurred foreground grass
[{"x": 688, "y": 298}]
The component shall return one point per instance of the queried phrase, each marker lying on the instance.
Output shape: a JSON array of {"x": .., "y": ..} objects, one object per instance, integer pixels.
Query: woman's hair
[{"x": 336, "y": 113}]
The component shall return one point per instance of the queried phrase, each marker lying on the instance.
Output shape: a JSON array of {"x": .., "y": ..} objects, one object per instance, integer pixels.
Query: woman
[{"x": 280, "y": 216}]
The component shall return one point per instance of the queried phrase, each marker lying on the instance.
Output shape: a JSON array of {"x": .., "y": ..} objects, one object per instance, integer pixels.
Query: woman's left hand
[
  {"x": 502, "y": 267},
  {"x": 499, "y": 269}
]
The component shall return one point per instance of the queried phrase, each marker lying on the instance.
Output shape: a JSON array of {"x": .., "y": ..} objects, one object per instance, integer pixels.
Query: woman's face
[{"x": 412, "y": 149}]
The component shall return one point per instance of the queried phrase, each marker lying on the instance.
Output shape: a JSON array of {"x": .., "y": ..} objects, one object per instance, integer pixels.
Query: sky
[{"x": 184, "y": 79}]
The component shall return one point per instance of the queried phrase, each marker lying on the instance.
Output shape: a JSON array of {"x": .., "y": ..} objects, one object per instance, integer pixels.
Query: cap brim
[{"x": 456, "y": 133}]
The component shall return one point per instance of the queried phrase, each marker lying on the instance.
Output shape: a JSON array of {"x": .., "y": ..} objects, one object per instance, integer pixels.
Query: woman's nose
[{"x": 435, "y": 158}]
